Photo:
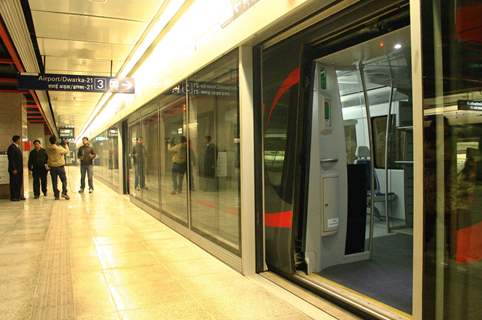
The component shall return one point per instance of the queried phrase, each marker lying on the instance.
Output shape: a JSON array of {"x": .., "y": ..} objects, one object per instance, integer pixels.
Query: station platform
[{"x": 100, "y": 257}]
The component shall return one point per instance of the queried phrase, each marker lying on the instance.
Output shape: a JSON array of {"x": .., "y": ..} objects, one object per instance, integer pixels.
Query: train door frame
[{"x": 415, "y": 31}]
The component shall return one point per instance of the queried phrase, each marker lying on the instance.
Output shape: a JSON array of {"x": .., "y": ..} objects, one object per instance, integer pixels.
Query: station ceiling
[
  {"x": 10, "y": 66},
  {"x": 91, "y": 37}
]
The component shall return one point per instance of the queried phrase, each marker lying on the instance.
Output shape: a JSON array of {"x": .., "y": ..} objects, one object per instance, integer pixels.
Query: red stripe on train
[
  {"x": 469, "y": 244},
  {"x": 279, "y": 219},
  {"x": 291, "y": 80}
]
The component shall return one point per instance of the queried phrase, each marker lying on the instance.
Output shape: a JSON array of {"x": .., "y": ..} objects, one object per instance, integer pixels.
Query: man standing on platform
[
  {"x": 56, "y": 163},
  {"x": 37, "y": 163},
  {"x": 86, "y": 155},
  {"x": 15, "y": 169},
  {"x": 139, "y": 155}
]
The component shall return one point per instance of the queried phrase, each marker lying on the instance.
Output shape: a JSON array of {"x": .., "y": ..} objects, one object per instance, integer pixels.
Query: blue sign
[{"x": 81, "y": 83}]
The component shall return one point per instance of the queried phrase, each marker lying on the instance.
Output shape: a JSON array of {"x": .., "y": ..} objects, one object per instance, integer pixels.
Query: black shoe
[
  {"x": 81, "y": 191},
  {"x": 22, "y": 198},
  {"x": 36, "y": 197},
  {"x": 15, "y": 199},
  {"x": 57, "y": 198},
  {"x": 66, "y": 196},
  {"x": 91, "y": 190},
  {"x": 45, "y": 194}
]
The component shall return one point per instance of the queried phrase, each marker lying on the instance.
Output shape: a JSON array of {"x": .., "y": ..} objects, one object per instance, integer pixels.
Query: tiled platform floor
[{"x": 100, "y": 257}]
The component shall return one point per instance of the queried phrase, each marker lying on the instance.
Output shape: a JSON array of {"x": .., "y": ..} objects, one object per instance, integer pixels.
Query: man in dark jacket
[
  {"x": 37, "y": 163},
  {"x": 86, "y": 154},
  {"x": 139, "y": 155},
  {"x": 15, "y": 169},
  {"x": 209, "y": 164}
]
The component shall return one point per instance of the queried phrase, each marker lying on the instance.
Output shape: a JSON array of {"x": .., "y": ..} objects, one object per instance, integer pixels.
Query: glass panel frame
[{"x": 214, "y": 144}]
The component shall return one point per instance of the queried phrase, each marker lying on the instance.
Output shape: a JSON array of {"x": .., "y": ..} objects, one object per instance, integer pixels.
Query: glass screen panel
[{"x": 214, "y": 151}]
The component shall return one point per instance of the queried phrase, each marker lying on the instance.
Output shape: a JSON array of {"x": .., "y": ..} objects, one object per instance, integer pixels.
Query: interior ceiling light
[{"x": 397, "y": 46}]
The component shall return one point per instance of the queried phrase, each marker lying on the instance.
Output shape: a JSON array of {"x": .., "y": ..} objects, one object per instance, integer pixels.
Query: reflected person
[
  {"x": 209, "y": 164},
  {"x": 139, "y": 156},
  {"x": 179, "y": 163}
]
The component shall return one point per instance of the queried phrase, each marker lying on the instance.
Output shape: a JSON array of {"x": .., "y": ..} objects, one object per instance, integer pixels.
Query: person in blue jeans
[
  {"x": 56, "y": 163},
  {"x": 179, "y": 164}
]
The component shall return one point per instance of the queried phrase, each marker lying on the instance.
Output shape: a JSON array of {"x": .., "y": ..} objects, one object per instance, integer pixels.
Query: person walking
[
  {"x": 15, "y": 169},
  {"x": 56, "y": 162},
  {"x": 37, "y": 163},
  {"x": 86, "y": 154},
  {"x": 179, "y": 164}
]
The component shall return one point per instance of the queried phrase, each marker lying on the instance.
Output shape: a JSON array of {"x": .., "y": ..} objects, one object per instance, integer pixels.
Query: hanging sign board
[
  {"x": 470, "y": 105},
  {"x": 79, "y": 83},
  {"x": 200, "y": 88},
  {"x": 66, "y": 133}
]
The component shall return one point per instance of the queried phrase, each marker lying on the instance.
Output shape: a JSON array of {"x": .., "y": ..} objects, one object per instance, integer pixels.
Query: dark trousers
[
  {"x": 39, "y": 179},
  {"x": 140, "y": 179},
  {"x": 60, "y": 173},
  {"x": 16, "y": 183},
  {"x": 89, "y": 171}
]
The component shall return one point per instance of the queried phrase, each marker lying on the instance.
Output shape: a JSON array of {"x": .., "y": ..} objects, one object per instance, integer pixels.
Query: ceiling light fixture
[
  {"x": 397, "y": 46},
  {"x": 167, "y": 12}
]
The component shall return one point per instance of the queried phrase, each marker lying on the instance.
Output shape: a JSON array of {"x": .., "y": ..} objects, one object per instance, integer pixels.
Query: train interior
[{"x": 359, "y": 215}]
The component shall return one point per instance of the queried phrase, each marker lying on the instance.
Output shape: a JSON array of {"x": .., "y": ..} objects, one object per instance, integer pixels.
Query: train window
[
  {"x": 399, "y": 145},
  {"x": 351, "y": 142}
]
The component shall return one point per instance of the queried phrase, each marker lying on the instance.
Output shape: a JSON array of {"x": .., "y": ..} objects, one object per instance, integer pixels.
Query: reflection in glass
[
  {"x": 173, "y": 157},
  {"x": 452, "y": 74},
  {"x": 148, "y": 180},
  {"x": 214, "y": 150},
  {"x": 136, "y": 160},
  {"x": 106, "y": 146}
]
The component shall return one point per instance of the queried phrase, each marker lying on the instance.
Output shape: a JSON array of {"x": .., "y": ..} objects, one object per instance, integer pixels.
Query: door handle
[{"x": 328, "y": 160}]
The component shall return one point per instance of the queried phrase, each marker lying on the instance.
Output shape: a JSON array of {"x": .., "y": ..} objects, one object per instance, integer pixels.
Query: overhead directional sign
[
  {"x": 470, "y": 105},
  {"x": 82, "y": 83},
  {"x": 200, "y": 88}
]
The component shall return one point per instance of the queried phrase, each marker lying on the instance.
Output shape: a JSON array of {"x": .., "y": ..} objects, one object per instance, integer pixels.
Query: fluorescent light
[
  {"x": 168, "y": 13},
  {"x": 397, "y": 46}
]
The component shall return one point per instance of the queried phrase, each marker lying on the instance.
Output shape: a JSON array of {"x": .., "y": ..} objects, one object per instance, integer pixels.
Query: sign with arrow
[{"x": 79, "y": 83}]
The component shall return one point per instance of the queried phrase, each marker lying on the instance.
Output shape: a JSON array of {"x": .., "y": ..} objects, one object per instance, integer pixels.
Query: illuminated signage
[
  {"x": 66, "y": 133},
  {"x": 79, "y": 83},
  {"x": 470, "y": 105},
  {"x": 201, "y": 88}
]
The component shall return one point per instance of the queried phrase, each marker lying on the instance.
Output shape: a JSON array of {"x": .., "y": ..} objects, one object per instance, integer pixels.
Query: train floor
[
  {"x": 99, "y": 257},
  {"x": 386, "y": 277}
]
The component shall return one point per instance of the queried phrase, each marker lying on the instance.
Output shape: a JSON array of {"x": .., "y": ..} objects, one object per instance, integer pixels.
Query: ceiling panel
[
  {"x": 74, "y": 96},
  {"x": 138, "y": 10},
  {"x": 83, "y": 37},
  {"x": 90, "y": 66},
  {"x": 82, "y": 49},
  {"x": 86, "y": 28}
]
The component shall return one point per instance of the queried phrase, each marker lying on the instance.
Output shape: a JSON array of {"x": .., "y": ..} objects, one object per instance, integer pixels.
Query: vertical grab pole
[
  {"x": 387, "y": 137},
  {"x": 370, "y": 137}
]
